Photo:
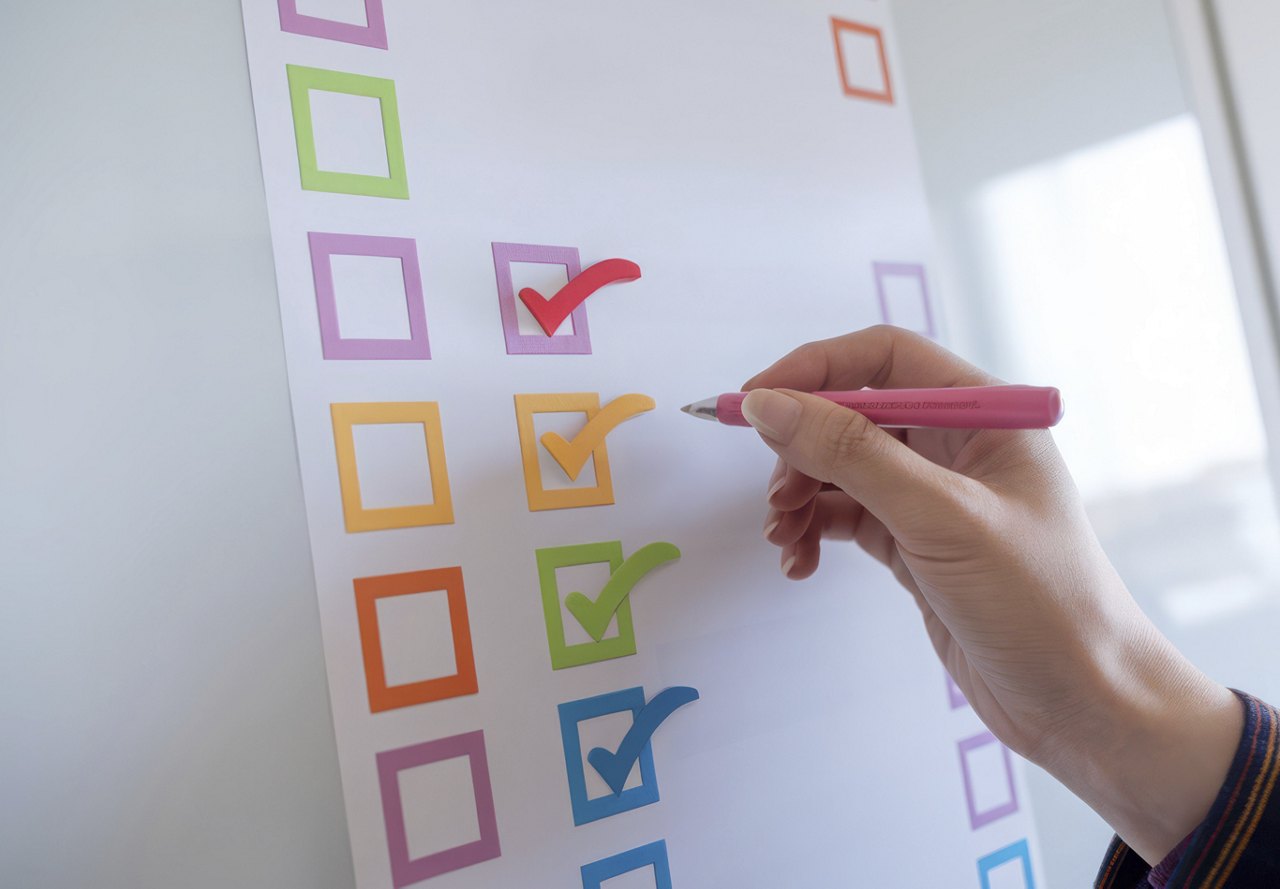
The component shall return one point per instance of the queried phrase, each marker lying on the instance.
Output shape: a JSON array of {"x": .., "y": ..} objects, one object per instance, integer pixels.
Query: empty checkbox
[
  {"x": 415, "y": 638},
  {"x": 369, "y": 297},
  {"x": 863, "y": 63},
  {"x": 904, "y": 297},
  {"x": 1007, "y": 868},
  {"x": 351, "y": 21},
  {"x": 988, "y": 779},
  {"x": 437, "y": 804},
  {"x": 347, "y": 128},
  {"x": 645, "y": 867},
  {"x": 391, "y": 465}
]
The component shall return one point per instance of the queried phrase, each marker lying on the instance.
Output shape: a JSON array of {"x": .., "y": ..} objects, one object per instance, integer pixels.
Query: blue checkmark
[{"x": 614, "y": 767}]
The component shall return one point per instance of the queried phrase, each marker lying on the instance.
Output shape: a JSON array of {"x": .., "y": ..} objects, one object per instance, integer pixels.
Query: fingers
[
  {"x": 793, "y": 490},
  {"x": 829, "y": 443},
  {"x": 800, "y": 559},
  {"x": 784, "y": 527},
  {"x": 880, "y": 357},
  {"x": 831, "y": 515}
]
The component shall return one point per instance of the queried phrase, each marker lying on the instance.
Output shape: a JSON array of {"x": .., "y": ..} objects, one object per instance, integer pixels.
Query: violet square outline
[
  {"x": 979, "y": 819},
  {"x": 373, "y": 34},
  {"x": 405, "y": 870},
  {"x": 576, "y": 343},
  {"x": 915, "y": 270},
  {"x": 325, "y": 245}
]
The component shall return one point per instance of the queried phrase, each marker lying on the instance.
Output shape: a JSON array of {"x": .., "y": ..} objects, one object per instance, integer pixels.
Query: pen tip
[{"x": 702, "y": 410}]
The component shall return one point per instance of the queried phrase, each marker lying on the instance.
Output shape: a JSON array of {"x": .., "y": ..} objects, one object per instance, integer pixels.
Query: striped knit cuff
[{"x": 1237, "y": 846}]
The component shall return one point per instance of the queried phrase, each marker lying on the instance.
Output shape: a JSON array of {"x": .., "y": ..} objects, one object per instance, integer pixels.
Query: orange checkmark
[{"x": 573, "y": 455}]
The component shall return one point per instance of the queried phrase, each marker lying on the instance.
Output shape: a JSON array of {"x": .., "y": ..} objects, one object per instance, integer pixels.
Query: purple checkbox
[
  {"x": 372, "y": 33},
  {"x": 406, "y": 870},
  {"x": 904, "y": 297},
  {"x": 326, "y": 245},
  {"x": 986, "y": 765},
  {"x": 576, "y": 343}
]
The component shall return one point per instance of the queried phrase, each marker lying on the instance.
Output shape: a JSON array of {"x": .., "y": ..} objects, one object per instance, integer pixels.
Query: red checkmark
[{"x": 550, "y": 313}]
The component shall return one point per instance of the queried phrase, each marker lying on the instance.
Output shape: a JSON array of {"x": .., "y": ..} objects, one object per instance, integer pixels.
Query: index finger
[{"x": 880, "y": 357}]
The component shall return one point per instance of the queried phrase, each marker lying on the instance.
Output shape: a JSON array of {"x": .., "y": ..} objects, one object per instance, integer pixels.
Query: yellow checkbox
[
  {"x": 541, "y": 495},
  {"x": 424, "y": 413}
]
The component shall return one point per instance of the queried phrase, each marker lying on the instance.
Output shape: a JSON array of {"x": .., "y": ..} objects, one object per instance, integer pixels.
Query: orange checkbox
[
  {"x": 546, "y": 483},
  {"x": 459, "y": 676},
  {"x": 864, "y": 65},
  {"x": 424, "y": 414}
]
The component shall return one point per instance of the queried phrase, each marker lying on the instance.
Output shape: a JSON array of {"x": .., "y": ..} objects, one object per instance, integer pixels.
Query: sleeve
[{"x": 1238, "y": 845}]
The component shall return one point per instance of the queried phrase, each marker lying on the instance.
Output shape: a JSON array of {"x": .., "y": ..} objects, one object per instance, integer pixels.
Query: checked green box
[{"x": 564, "y": 654}]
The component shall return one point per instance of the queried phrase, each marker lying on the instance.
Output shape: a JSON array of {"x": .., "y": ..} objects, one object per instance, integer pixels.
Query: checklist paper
[{"x": 511, "y": 240}]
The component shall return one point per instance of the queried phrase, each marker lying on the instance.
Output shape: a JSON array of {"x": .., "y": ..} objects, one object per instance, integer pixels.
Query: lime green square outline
[
  {"x": 302, "y": 81},
  {"x": 562, "y": 655}
]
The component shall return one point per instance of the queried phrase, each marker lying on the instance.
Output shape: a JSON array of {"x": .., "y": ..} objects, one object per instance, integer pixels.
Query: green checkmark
[
  {"x": 552, "y": 559},
  {"x": 610, "y": 605},
  {"x": 596, "y": 614}
]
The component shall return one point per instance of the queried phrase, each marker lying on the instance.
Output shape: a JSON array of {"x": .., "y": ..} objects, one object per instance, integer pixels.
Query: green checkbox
[
  {"x": 301, "y": 82},
  {"x": 562, "y": 654}
]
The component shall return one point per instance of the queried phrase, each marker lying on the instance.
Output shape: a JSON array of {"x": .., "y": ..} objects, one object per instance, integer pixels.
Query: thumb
[{"x": 834, "y": 444}]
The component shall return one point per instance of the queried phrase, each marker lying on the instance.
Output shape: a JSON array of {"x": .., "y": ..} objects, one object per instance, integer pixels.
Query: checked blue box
[
  {"x": 651, "y": 857},
  {"x": 602, "y": 721}
]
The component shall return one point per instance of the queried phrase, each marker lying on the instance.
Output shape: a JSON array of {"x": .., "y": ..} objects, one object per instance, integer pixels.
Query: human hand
[{"x": 985, "y": 529}]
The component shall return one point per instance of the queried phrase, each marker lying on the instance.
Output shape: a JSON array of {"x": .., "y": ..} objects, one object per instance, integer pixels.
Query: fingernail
[
  {"x": 771, "y": 521},
  {"x": 775, "y": 488},
  {"x": 773, "y": 414},
  {"x": 788, "y": 565}
]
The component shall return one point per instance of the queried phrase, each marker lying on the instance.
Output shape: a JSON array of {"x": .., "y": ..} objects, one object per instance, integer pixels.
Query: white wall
[
  {"x": 142, "y": 402},
  {"x": 1003, "y": 87},
  {"x": 998, "y": 85}
]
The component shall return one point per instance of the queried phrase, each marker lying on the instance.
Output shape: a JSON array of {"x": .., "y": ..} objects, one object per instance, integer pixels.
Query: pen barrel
[{"x": 971, "y": 407}]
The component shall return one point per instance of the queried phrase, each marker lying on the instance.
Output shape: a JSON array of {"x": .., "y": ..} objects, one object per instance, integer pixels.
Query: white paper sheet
[{"x": 717, "y": 145}]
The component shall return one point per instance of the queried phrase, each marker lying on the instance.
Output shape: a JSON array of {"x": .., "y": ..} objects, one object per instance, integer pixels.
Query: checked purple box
[
  {"x": 988, "y": 779},
  {"x": 393, "y": 309},
  {"x": 428, "y": 833},
  {"x": 372, "y": 32},
  {"x": 904, "y": 297},
  {"x": 522, "y": 333}
]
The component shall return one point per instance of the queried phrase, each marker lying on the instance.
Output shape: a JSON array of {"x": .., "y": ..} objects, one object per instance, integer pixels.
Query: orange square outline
[
  {"x": 838, "y": 25},
  {"x": 369, "y": 590},
  {"x": 346, "y": 416},
  {"x": 539, "y": 497}
]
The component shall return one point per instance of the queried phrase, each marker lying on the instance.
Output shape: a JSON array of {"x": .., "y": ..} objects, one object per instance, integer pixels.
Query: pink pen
[{"x": 973, "y": 407}]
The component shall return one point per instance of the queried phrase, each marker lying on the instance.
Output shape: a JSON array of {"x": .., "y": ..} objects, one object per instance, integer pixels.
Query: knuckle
[
  {"x": 846, "y": 438},
  {"x": 890, "y": 333}
]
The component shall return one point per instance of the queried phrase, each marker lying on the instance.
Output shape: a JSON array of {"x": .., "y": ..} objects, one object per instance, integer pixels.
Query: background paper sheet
[{"x": 756, "y": 160}]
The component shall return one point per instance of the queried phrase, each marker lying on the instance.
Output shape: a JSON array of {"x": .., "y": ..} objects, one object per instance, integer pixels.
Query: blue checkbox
[
  {"x": 585, "y": 809},
  {"x": 653, "y": 855},
  {"x": 1013, "y": 852}
]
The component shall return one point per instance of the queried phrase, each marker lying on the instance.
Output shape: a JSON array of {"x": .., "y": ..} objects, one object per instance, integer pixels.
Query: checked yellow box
[
  {"x": 562, "y": 446},
  {"x": 403, "y": 450}
]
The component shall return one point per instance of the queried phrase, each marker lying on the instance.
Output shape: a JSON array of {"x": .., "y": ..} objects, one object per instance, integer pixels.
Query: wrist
[{"x": 1153, "y": 754}]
